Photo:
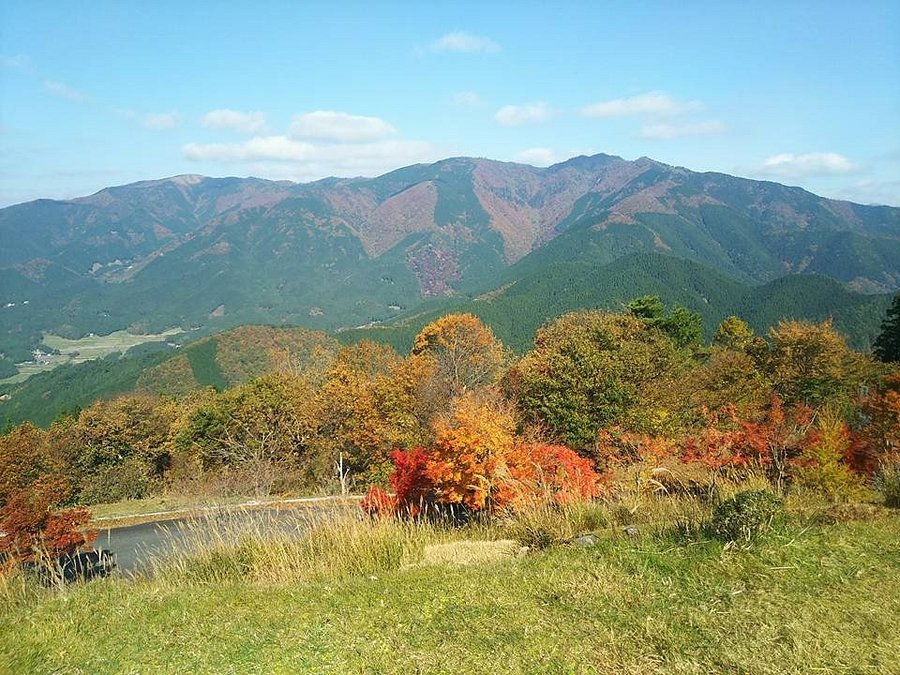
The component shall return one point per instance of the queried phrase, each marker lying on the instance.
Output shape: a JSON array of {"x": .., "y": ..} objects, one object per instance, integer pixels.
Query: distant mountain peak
[
  {"x": 187, "y": 179},
  {"x": 348, "y": 251}
]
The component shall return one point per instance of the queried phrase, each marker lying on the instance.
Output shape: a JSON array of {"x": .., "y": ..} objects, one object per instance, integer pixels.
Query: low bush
[{"x": 746, "y": 516}]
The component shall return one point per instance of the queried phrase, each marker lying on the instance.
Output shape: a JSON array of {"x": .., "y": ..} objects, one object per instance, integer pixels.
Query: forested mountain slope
[{"x": 212, "y": 253}]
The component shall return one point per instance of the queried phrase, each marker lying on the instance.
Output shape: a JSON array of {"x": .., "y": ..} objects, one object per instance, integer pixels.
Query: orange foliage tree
[
  {"x": 470, "y": 448},
  {"x": 464, "y": 350},
  {"x": 24, "y": 458},
  {"x": 881, "y": 432},
  {"x": 369, "y": 407},
  {"x": 476, "y": 465}
]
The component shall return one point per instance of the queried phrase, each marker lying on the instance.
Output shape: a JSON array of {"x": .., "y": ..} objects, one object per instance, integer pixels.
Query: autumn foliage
[
  {"x": 33, "y": 528},
  {"x": 477, "y": 465},
  {"x": 457, "y": 425},
  {"x": 541, "y": 473}
]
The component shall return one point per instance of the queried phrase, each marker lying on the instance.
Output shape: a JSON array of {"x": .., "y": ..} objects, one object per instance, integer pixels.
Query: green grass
[{"x": 810, "y": 598}]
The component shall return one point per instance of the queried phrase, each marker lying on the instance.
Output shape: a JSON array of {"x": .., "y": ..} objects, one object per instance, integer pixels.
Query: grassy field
[
  {"x": 376, "y": 597},
  {"x": 85, "y": 349}
]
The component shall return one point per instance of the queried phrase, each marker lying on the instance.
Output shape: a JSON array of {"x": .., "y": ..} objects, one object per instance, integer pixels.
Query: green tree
[
  {"x": 733, "y": 333},
  {"x": 811, "y": 363},
  {"x": 887, "y": 344},
  {"x": 116, "y": 449},
  {"x": 261, "y": 431},
  {"x": 590, "y": 370}
]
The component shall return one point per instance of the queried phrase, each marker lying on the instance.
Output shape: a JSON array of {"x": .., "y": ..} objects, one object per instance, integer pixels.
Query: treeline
[{"x": 459, "y": 419}]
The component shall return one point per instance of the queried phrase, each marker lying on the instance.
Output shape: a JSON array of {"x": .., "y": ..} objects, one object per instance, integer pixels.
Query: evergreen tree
[
  {"x": 682, "y": 326},
  {"x": 887, "y": 344}
]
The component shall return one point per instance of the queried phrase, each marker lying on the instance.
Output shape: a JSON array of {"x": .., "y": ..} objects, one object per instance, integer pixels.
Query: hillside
[
  {"x": 211, "y": 253},
  {"x": 222, "y": 360},
  {"x": 514, "y": 311}
]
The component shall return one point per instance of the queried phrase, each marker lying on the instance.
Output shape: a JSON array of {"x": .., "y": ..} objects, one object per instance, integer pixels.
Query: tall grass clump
[
  {"x": 546, "y": 524},
  {"x": 303, "y": 549},
  {"x": 887, "y": 482}
]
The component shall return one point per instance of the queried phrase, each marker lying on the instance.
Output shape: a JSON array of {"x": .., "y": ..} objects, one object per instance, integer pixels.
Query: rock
[
  {"x": 586, "y": 541},
  {"x": 632, "y": 532}
]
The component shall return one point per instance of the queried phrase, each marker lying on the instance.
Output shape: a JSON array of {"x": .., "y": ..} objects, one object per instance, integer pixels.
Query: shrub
[
  {"x": 746, "y": 516},
  {"x": 438, "y": 484},
  {"x": 887, "y": 482},
  {"x": 546, "y": 473},
  {"x": 821, "y": 465},
  {"x": 377, "y": 502},
  {"x": 119, "y": 482}
]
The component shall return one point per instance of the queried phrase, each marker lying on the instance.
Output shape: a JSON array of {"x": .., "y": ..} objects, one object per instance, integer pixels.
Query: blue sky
[{"x": 105, "y": 93}]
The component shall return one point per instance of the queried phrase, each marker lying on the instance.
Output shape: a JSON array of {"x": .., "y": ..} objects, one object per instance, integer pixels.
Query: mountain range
[{"x": 210, "y": 253}]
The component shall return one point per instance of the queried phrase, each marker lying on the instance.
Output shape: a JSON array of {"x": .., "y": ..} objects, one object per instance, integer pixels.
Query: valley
[
  {"x": 449, "y": 337},
  {"x": 55, "y": 351}
]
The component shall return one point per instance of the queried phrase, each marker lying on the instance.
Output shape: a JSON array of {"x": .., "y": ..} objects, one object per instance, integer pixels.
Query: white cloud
[
  {"x": 235, "y": 120},
  {"x": 328, "y": 125},
  {"x": 65, "y": 91},
  {"x": 305, "y": 160},
  {"x": 652, "y": 103},
  {"x": 319, "y": 144},
  {"x": 277, "y": 148},
  {"x": 790, "y": 165},
  {"x": 540, "y": 156},
  {"x": 468, "y": 99},
  {"x": 466, "y": 43},
  {"x": 17, "y": 62},
  {"x": 664, "y": 131},
  {"x": 160, "y": 121},
  {"x": 514, "y": 115}
]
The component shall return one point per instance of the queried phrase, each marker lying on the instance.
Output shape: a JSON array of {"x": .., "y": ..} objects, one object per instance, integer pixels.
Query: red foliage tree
[
  {"x": 32, "y": 527},
  {"x": 547, "y": 473},
  {"x": 410, "y": 481},
  {"x": 771, "y": 441},
  {"x": 523, "y": 476}
]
